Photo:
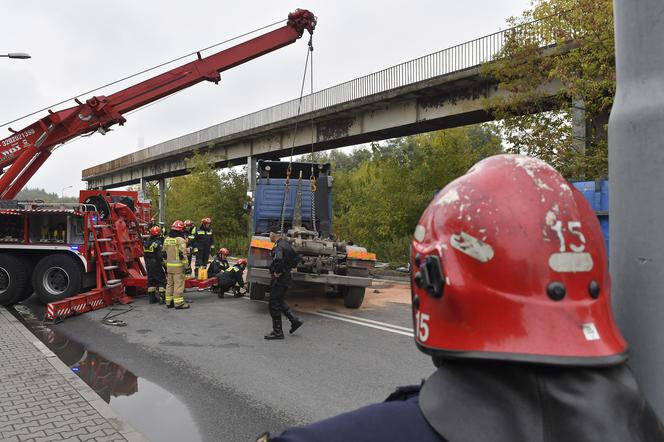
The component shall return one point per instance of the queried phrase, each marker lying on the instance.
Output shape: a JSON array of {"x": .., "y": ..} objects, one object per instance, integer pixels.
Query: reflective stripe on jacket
[{"x": 176, "y": 254}]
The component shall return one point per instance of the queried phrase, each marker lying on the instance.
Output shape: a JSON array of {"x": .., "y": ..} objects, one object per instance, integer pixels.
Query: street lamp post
[
  {"x": 19, "y": 55},
  {"x": 62, "y": 192}
]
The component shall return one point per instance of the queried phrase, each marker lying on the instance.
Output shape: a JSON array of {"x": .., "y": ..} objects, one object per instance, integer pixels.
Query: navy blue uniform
[
  {"x": 399, "y": 419},
  {"x": 154, "y": 264},
  {"x": 485, "y": 401},
  {"x": 284, "y": 259}
]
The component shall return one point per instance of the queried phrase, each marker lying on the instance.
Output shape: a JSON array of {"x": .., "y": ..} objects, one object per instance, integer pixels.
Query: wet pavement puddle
[{"x": 150, "y": 409}]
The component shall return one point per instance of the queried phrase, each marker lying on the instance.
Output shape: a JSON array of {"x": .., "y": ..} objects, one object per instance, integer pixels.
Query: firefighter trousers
[{"x": 175, "y": 288}]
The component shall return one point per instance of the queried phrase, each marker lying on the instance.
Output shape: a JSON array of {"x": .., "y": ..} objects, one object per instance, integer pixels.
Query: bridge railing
[{"x": 447, "y": 61}]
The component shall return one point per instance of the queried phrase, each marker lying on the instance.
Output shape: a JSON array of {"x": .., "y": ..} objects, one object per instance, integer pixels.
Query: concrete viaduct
[{"x": 437, "y": 91}]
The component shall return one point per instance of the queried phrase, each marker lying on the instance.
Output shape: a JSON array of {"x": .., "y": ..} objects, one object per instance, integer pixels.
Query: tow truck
[{"x": 95, "y": 246}]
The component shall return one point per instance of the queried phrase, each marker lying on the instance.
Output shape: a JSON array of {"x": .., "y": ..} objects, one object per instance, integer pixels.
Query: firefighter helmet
[
  {"x": 206, "y": 221},
  {"x": 188, "y": 223},
  {"x": 509, "y": 263},
  {"x": 242, "y": 262},
  {"x": 178, "y": 226},
  {"x": 155, "y": 231},
  {"x": 224, "y": 251}
]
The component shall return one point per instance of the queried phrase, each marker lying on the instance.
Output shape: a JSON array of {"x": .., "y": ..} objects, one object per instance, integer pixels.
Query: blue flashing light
[
  {"x": 75, "y": 369},
  {"x": 75, "y": 248}
]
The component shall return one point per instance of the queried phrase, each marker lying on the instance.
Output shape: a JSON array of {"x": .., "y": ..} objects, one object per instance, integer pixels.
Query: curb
[{"x": 87, "y": 393}]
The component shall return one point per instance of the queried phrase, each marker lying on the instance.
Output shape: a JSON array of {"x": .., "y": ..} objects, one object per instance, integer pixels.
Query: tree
[
  {"x": 378, "y": 204},
  {"x": 36, "y": 194},
  {"x": 205, "y": 192},
  {"x": 583, "y": 60}
]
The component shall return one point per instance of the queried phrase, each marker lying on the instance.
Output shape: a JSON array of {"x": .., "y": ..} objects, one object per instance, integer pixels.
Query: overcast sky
[{"x": 78, "y": 45}]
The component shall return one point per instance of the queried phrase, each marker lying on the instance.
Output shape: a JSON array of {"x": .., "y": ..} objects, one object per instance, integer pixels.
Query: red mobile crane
[{"x": 55, "y": 250}]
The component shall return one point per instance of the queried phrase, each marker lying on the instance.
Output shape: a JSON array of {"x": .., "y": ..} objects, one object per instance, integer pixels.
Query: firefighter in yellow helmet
[{"x": 175, "y": 247}]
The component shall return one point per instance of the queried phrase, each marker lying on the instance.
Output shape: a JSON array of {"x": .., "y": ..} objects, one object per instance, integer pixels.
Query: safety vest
[{"x": 175, "y": 257}]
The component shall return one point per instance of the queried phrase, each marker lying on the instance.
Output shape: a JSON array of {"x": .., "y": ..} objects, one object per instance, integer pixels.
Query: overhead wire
[{"x": 144, "y": 71}]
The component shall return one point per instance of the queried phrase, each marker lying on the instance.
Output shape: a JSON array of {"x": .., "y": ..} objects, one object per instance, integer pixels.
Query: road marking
[
  {"x": 371, "y": 321},
  {"x": 365, "y": 324},
  {"x": 355, "y": 320}
]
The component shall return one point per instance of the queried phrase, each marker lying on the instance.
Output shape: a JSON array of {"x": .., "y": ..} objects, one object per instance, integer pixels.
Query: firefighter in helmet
[
  {"x": 219, "y": 263},
  {"x": 202, "y": 242},
  {"x": 177, "y": 261},
  {"x": 232, "y": 278},
  {"x": 511, "y": 298},
  {"x": 188, "y": 227},
  {"x": 153, "y": 252}
]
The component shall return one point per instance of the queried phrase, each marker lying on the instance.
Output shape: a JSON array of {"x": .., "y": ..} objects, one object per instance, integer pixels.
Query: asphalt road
[{"x": 207, "y": 372}]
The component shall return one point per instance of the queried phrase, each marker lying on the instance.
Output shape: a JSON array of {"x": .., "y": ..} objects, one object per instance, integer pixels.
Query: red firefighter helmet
[
  {"x": 178, "y": 225},
  {"x": 188, "y": 223},
  {"x": 206, "y": 221},
  {"x": 155, "y": 231},
  {"x": 509, "y": 263},
  {"x": 242, "y": 262},
  {"x": 223, "y": 251}
]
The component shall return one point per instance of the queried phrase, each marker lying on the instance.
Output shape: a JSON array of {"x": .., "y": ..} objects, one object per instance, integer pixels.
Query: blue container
[{"x": 597, "y": 194}]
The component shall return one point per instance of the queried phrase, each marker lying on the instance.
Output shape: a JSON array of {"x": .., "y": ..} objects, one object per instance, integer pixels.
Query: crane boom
[{"x": 23, "y": 152}]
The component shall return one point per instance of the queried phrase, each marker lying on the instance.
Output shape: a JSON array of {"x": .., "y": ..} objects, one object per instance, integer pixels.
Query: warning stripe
[
  {"x": 262, "y": 244},
  {"x": 357, "y": 254}
]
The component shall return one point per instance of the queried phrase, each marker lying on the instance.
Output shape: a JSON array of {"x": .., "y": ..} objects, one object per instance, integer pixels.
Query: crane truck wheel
[
  {"x": 14, "y": 278},
  {"x": 57, "y": 277},
  {"x": 257, "y": 291},
  {"x": 28, "y": 290}
]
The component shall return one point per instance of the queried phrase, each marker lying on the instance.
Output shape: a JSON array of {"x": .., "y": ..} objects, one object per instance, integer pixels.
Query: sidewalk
[{"x": 41, "y": 399}]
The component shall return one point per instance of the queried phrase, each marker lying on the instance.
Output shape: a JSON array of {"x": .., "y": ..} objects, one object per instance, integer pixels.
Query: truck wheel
[
  {"x": 13, "y": 279},
  {"x": 257, "y": 291},
  {"x": 353, "y": 297},
  {"x": 27, "y": 290},
  {"x": 57, "y": 277}
]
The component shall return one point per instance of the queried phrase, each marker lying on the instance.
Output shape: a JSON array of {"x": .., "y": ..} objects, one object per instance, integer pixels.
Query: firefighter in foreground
[
  {"x": 232, "y": 278},
  {"x": 177, "y": 261},
  {"x": 284, "y": 259},
  {"x": 153, "y": 252},
  {"x": 511, "y": 299},
  {"x": 202, "y": 242}
]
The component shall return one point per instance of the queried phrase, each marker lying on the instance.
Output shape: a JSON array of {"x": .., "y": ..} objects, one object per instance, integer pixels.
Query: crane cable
[
  {"x": 143, "y": 72},
  {"x": 312, "y": 178},
  {"x": 289, "y": 169}
]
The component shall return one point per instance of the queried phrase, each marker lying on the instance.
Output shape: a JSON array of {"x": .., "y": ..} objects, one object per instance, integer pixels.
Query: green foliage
[
  {"x": 206, "y": 193},
  {"x": 583, "y": 61},
  {"x": 378, "y": 203},
  {"x": 339, "y": 160},
  {"x": 29, "y": 194}
]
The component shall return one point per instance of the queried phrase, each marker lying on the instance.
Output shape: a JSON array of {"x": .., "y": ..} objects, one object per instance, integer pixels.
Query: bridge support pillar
[
  {"x": 251, "y": 188},
  {"x": 579, "y": 127},
  {"x": 143, "y": 194},
  {"x": 162, "y": 201},
  {"x": 636, "y": 180}
]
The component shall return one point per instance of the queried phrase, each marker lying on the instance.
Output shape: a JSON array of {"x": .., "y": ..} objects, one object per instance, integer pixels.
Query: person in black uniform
[
  {"x": 511, "y": 298},
  {"x": 231, "y": 278},
  {"x": 284, "y": 259},
  {"x": 219, "y": 263},
  {"x": 203, "y": 240},
  {"x": 154, "y": 264}
]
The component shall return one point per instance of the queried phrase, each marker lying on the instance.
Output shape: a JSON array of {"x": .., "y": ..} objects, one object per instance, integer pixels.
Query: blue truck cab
[{"x": 296, "y": 200}]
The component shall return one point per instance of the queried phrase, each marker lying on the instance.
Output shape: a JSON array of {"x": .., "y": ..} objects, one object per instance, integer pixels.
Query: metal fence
[{"x": 447, "y": 61}]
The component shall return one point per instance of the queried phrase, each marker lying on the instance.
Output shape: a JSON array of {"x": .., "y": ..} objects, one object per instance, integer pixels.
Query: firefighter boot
[
  {"x": 277, "y": 332},
  {"x": 182, "y": 306},
  {"x": 294, "y": 321},
  {"x": 152, "y": 298},
  {"x": 161, "y": 296}
]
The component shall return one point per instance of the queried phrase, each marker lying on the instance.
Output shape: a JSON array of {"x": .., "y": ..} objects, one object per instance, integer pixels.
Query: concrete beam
[{"x": 430, "y": 106}]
